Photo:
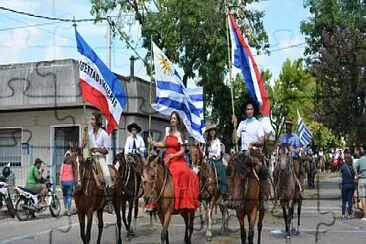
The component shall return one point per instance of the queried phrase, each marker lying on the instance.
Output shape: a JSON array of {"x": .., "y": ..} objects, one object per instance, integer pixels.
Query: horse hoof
[{"x": 208, "y": 238}]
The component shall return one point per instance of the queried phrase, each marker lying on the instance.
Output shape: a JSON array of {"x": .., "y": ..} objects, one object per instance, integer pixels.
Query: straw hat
[
  {"x": 210, "y": 127},
  {"x": 289, "y": 121}
]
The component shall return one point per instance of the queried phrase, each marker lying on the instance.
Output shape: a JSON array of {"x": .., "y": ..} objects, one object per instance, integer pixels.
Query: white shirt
[
  {"x": 101, "y": 140},
  {"x": 214, "y": 150},
  {"x": 249, "y": 130},
  {"x": 140, "y": 144}
]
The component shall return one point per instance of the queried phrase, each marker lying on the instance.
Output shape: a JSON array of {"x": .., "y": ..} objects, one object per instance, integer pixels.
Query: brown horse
[
  {"x": 208, "y": 192},
  {"x": 89, "y": 198},
  {"x": 159, "y": 187},
  {"x": 130, "y": 172},
  {"x": 245, "y": 189},
  {"x": 288, "y": 189}
]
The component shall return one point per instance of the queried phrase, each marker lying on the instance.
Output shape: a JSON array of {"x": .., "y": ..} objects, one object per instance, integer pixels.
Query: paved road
[{"x": 45, "y": 229}]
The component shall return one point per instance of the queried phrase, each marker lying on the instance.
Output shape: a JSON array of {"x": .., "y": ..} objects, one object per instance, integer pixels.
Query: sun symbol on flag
[{"x": 165, "y": 66}]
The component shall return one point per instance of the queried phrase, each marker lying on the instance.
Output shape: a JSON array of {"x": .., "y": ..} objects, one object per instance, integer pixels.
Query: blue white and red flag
[
  {"x": 243, "y": 59},
  {"x": 99, "y": 86}
]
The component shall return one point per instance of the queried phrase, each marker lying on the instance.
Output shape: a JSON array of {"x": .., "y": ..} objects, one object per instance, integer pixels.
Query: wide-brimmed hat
[
  {"x": 288, "y": 121},
  {"x": 134, "y": 125},
  {"x": 210, "y": 127}
]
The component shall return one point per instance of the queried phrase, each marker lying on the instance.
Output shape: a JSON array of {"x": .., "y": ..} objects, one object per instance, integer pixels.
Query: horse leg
[
  {"x": 208, "y": 210},
  {"x": 129, "y": 217},
  {"x": 260, "y": 225},
  {"x": 252, "y": 216},
  {"x": 89, "y": 224},
  {"x": 298, "y": 216},
  {"x": 117, "y": 208},
  {"x": 285, "y": 217},
  {"x": 185, "y": 217},
  {"x": 223, "y": 219},
  {"x": 136, "y": 211},
  {"x": 81, "y": 216},
  {"x": 191, "y": 223},
  {"x": 123, "y": 204},
  {"x": 100, "y": 224},
  {"x": 240, "y": 214}
]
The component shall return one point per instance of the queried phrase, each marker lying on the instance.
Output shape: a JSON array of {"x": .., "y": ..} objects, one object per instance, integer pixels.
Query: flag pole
[
  {"x": 87, "y": 153},
  {"x": 150, "y": 94},
  {"x": 230, "y": 76}
]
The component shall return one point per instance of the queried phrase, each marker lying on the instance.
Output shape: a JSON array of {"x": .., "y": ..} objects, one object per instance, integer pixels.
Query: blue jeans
[
  {"x": 347, "y": 194},
  {"x": 67, "y": 189}
]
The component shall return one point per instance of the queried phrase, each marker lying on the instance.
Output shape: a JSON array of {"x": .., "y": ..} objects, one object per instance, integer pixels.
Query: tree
[
  {"x": 294, "y": 89},
  {"x": 336, "y": 47},
  {"x": 193, "y": 34}
]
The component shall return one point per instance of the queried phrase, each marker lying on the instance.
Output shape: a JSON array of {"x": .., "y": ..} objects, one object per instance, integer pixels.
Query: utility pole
[
  {"x": 109, "y": 64},
  {"x": 132, "y": 66}
]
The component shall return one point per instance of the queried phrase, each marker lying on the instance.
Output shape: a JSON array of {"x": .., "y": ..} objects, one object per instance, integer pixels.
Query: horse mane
[{"x": 242, "y": 163}]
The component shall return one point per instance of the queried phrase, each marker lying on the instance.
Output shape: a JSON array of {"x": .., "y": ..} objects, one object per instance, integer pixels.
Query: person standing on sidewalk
[
  {"x": 348, "y": 188},
  {"x": 360, "y": 167},
  {"x": 67, "y": 182}
]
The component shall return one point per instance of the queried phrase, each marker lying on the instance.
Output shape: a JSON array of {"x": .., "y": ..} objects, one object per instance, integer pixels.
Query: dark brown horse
[
  {"x": 288, "y": 189},
  {"x": 159, "y": 187},
  {"x": 309, "y": 164},
  {"x": 245, "y": 190},
  {"x": 130, "y": 172},
  {"x": 208, "y": 193},
  {"x": 89, "y": 198}
]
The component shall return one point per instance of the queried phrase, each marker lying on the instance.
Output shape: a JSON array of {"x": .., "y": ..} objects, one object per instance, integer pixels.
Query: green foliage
[
  {"x": 193, "y": 34},
  {"x": 294, "y": 89},
  {"x": 336, "y": 45}
]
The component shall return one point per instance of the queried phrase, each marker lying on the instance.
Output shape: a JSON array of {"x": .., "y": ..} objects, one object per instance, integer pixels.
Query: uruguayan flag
[
  {"x": 304, "y": 132},
  {"x": 196, "y": 95},
  {"x": 171, "y": 95}
]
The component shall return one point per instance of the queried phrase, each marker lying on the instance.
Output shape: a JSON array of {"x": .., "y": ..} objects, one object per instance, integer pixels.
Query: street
[{"x": 324, "y": 226}]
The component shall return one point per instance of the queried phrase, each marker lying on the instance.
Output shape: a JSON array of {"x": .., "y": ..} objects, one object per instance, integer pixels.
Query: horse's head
[
  {"x": 149, "y": 176},
  {"x": 240, "y": 168},
  {"x": 196, "y": 156},
  {"x": 80, "y": 165},
  {"x": 120, "y": 159},
  {"x": 283, "y": 158}
]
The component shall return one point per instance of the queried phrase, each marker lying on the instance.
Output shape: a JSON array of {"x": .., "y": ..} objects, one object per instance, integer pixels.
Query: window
[{"x": 10, "y": 146}]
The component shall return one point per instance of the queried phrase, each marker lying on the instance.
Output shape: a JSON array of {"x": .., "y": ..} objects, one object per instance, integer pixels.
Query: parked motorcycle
[
  {"x": 28, "y": 202},
  {"x": 4, "y": 191}
]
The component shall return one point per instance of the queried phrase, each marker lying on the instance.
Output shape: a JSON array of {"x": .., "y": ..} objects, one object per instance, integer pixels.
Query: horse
[
  {"x": 130, "y": 172},
  {"x": 89, "y": 197},
  {"x": 321, "y": 163},
  {"x": 309, "y": 164},
  {"x": 208, "y": 192},
  {"x": 245, "y": 194},
  {"x": 288, "y": 189},
  {"x": 159, "y": 187}
]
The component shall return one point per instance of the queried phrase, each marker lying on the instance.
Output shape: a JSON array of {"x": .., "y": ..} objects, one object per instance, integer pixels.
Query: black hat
[
  {"x": 38, "y": 161},
  {"x": 134, "y": 125}
]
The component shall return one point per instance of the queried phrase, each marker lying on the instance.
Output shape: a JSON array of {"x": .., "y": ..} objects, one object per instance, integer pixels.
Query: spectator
[
  {"x": 348, "y": 188},
  {"x": 360, "y": 167},
  {"x": 67, "y": 182}
]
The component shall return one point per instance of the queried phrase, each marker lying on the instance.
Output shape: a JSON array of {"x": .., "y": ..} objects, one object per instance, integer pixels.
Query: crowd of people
[{"x": 249, "y": 135}]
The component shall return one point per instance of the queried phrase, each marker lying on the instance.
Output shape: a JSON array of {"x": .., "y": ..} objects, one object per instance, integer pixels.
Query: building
[{"x": 41, "y": 112}]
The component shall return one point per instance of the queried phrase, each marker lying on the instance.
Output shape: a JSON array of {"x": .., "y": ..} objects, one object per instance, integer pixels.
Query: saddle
[{"x": 99, "y": 176}]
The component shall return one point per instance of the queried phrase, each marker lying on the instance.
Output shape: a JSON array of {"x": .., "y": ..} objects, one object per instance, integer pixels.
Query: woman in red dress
[{"x": 185, "y": 180}]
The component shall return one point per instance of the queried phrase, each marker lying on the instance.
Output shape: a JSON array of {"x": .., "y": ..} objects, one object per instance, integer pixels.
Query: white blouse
[{"x": 214, "y": 150}]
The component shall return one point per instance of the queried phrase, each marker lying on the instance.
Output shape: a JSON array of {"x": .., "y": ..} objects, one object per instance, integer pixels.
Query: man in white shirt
[
  {"x": 99, "y": 144},
  {"x": 134, "y": 143},
  {"x": 251, "y": 134}
]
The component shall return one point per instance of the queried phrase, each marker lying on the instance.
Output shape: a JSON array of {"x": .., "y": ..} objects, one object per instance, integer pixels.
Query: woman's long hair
[{"x": 180, "y": 125}]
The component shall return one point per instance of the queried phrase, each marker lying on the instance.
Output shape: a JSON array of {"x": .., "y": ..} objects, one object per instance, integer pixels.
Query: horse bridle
[{"x": 151, "y": 196}]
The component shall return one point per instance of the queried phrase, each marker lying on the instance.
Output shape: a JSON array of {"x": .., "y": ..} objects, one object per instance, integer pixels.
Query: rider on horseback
[
  {"x": 134, "y": 143},
  {"x": 292, "y": 139},
  {"x": 251, "y": 134},
  {"x": 99, "y": 143},
  {"x": 213, "y": 152}
]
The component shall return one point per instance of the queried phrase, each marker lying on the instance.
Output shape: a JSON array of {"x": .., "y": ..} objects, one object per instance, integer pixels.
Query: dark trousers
[{"x": 347, "y": 194}]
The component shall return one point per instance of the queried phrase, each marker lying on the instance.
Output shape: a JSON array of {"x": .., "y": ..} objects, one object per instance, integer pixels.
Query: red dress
[{"x": 185, "y": 180}]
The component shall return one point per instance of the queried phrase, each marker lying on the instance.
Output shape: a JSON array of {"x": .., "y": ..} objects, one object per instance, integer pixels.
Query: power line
[
  {"x": 50, "y": 18},
  {"x": 28, "y": 26}
]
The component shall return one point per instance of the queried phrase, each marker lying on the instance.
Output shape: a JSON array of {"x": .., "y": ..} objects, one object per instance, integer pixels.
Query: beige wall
[{"x": 36, "y": 130}]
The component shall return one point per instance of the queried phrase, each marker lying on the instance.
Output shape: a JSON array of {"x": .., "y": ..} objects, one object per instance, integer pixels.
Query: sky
[{"x": 21, "y": 42}]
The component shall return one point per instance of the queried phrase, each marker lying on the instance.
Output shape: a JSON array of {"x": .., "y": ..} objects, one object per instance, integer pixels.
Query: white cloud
[
  {"x": 21, "y": 5},
  {"x": 14, "y": 43},
  {"x": 54, "y": 49}
]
